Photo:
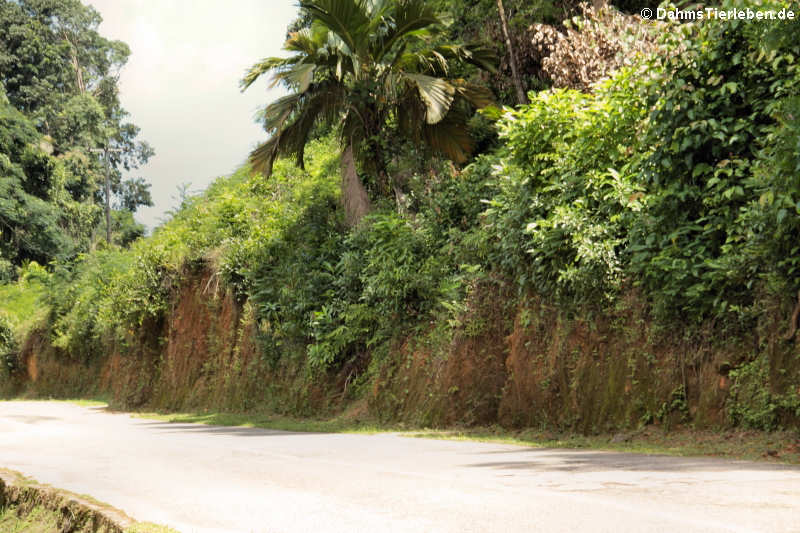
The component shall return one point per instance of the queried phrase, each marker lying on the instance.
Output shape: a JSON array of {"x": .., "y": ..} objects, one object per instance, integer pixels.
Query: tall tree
[
  {"x": 34, "y": 209},
  {"x": 361, "y": 64},
  {"x": 521, "y": 97},
  {"x": 62, "y": 76}
]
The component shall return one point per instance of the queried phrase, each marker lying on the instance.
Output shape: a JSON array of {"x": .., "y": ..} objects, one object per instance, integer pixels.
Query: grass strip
[
  {"x": 778, "y": 446},
  {"x": 32, "y": 507}
]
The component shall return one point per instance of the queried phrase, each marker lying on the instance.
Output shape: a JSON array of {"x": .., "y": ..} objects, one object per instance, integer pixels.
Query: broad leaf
[{"x": 436, "y": 94}]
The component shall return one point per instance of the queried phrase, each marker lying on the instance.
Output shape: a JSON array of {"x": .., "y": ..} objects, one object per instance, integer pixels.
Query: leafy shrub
[
  {"x": 713, "y": 115},
  {"x": 7, "y": 270},
  {"x": 8, "y": 345},
  {"x": 753, "y": 404},
  {"x": 564, "y": 189}
]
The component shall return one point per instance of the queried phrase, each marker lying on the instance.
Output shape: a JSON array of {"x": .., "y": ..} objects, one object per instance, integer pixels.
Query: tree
[
  {"x": 521, "y": 97},
  {"x": 62, "y": 75},
  {"x": 369, "y": 66},
  {"x": 33, "y": 207}
]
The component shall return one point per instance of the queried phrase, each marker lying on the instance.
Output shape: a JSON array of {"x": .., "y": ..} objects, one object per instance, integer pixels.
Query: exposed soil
[
  {"x": 72, "y": 514},
  {"x": 522, "y": 366}
]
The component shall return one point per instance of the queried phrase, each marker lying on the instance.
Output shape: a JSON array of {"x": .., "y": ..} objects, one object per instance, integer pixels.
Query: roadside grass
[
  {"x": 779, "y": 446},
  {"x": 83, "y": 402},
  {"x": 21, "y": 302},
  {"x": 38, "y": 520},
  {"x": 270, "y": 421},
  {"x": 41, "y": 519},
  {"x": 738, "y": 444}
]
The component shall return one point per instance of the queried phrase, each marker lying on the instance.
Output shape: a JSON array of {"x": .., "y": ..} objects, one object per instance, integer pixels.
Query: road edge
[{"x": 76, "y": 513}]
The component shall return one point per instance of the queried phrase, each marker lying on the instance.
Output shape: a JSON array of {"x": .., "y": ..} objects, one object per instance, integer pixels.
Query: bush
[
  {"x": 703, "y": 166},
  {"x": 9, "y": 349},
  {"x": 564, "y": 190}
]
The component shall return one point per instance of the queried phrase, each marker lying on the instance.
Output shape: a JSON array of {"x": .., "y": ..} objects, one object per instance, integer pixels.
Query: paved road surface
[{"x": 217, "y": 479}]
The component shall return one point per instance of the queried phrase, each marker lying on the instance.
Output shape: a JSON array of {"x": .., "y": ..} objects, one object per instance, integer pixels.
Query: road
[{"x": 202, "y": 479}]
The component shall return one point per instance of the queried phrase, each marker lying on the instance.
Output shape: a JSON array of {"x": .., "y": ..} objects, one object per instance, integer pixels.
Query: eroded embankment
[
  {"x": 521, "y": 365},
  {"x": 71, "y": 514},
  {"x": 537, "y": 366}
]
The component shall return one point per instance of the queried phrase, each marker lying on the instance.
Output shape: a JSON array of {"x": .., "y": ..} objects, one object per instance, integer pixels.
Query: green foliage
[
  {"x": 58, "y": 99},
  {"x": 753, "y": 403},
  {"x": 770, "y": 222},
  {"x": 703, "y": 165},
  {"x": 8, "y": 346},
  {"x": 677, "y": 175},
  {"x": 76, "y": 298},
  {"x": 20, "y": 308},
  {"x": 319, "y": 293},
  {"x": 369, "y": 67},
  {"x": 21, "y": 301},
  {"x": 479, "y": 20},
  {"x": 105, "y": 297},
  {"x": 557, "y": 221},
  {"x": 32, "y": 204},
  {"x": 388, "y": 277}
]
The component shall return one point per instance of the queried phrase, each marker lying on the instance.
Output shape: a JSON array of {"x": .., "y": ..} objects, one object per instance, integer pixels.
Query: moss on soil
[{"x": 29, "y": 507}]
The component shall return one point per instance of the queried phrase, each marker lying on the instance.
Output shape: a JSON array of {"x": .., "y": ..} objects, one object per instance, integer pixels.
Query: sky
[{"x": 181, "y": 84}]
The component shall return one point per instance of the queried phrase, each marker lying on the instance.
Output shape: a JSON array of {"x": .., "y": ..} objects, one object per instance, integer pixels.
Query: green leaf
[{"x": 436, "y": 94}]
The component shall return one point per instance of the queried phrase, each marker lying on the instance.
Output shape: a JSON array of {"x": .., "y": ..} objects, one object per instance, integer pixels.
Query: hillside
[{"x": 613, "y": 255}]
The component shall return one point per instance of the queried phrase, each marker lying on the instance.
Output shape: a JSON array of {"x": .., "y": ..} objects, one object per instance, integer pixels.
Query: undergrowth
[{"x": 674, "y": 179}]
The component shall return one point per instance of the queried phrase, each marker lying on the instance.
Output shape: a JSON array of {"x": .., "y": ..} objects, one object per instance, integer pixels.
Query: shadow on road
[
  {"x": 31, "y": 419},
  {"x": 174, "y": 427},
  {"x": 555, "y": 460}
]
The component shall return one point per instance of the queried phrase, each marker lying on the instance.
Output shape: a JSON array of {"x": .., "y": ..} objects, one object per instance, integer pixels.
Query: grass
[
  {"x": 83, "y": 402},
  {"x": 22, "y": 303},
  {"x": 269, "y": 421},
  {"x": 42, "y": 519},
  {"x": 779, "y": 446},
  {"x": 39, "y": 520},
  {"x": 782, "y": 447}
]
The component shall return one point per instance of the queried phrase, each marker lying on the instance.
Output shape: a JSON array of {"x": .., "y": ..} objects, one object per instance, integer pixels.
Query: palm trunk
[
  {"x": 354, "y": 195},
  {"x": 521, "y": 97}
]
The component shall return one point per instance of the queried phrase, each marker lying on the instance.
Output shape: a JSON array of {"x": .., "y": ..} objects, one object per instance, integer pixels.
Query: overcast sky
[{"x": 181, "y": 84}]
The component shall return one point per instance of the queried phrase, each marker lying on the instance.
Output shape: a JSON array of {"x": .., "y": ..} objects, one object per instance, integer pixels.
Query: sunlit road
[{"x": 219, "y": 479}]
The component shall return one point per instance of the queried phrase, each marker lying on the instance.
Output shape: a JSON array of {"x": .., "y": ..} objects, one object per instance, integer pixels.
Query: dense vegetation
[
  {"x": 670, "y": 186},
  {"x": 58, "y": 102}
]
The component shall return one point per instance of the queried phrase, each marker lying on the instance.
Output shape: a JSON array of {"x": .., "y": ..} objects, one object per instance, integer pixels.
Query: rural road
[{"x": 199, "y": 478}]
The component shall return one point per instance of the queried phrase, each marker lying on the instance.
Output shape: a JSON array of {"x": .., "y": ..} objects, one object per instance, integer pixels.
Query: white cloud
[{"x": 181, "y": 83}]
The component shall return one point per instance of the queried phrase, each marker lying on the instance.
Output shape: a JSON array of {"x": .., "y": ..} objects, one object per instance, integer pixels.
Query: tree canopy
[
  {"x": 60, "y": 99},
  {"x": 371, "y": 67}
]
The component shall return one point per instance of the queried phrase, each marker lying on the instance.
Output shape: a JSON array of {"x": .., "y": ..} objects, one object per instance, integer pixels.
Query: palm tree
[{"x": 361, "y": 64}]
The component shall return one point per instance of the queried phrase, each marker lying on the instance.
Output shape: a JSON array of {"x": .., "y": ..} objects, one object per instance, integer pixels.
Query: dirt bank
[
  {"x": 522, "y": 364},
  {"x": 72, "y": 514}
]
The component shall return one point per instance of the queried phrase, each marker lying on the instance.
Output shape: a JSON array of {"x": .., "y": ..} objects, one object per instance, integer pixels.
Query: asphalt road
[{"x": 199, "y": 478}]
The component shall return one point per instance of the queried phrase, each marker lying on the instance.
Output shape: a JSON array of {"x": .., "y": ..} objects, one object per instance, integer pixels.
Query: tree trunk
[
  {"x": 75, "y": 64},
  {"x": 354, "y": 195},
  {"x": 521, "y": 97}
]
